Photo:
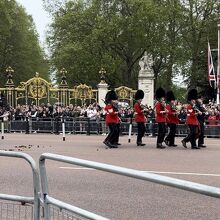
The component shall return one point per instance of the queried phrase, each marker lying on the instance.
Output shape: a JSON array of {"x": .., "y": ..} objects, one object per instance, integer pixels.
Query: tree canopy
[
  {"x": 19, "y": 44},
  {"x": 89, "y": 34}
]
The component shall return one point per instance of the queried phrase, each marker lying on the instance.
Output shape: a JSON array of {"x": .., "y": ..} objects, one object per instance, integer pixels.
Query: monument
[
  {"x": 102, "y": 88},
  {"x": 146, "y": 79}
]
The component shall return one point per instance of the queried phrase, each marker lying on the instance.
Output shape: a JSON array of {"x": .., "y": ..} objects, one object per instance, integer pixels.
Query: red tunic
[
  {"x": 172, "y": 117},
  {"x": 191, "y": 118},
  {"x": 111, "y": 115},
  {"x": 160, "y": 117},
  {"x": 139, "y": 114}
]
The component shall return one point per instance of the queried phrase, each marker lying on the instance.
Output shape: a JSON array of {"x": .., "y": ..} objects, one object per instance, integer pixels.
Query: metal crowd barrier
[
  {"x": 16, "y": 210},
  {"x": 155, "y": 178},
  {"x": 56, "y": 209},
  {"x": 88, "y": 126},
  {"x": 48, "y": 200}
]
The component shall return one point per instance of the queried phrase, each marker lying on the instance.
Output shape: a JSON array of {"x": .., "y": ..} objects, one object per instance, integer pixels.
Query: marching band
[{"x": 166, "y": 115}]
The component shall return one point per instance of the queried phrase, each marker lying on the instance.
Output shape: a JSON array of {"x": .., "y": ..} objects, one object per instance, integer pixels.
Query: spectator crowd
[{"x": 95, "y": 112}]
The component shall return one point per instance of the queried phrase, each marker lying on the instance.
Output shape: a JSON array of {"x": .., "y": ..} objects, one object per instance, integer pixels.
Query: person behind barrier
[
  {"x": 112, "y": 119},
  {"x": 161, "y": 114},
  {"x": 201, "y": 118},
  {"x": 172, "y": 119},
  {"x": 151, "y": 121},
  {"x": 191, "y": 120},
  {"x": 140, "y": 118}
]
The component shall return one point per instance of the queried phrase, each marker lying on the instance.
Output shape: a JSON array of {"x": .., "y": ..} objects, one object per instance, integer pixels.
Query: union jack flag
[{"x": 211, "y": 70}]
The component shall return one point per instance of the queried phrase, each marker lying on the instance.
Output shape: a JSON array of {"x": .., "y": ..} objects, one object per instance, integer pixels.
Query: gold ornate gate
[
  {"x": 34, "y": 90},
  {"x": 37, "y": 91},
  {"x": 125, "y": 94}
]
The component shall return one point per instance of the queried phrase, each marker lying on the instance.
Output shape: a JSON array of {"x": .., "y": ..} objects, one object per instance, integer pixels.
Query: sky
[{"x": 40, "y": 16}]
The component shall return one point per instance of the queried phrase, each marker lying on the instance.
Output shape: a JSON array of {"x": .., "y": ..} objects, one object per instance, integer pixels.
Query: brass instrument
[
  {"x": 176, "y": 108},
  {"x": 115, "y": 107},
  {"x": 163, "y": 104},
  {"x": 144, "y": 106},
  {"x": 195, "y": 108}
]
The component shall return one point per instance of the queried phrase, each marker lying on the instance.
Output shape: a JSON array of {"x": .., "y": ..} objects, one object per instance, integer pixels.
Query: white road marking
[
  {"x": 150, "y": 171},
  {"x": 76, "y": 168}
]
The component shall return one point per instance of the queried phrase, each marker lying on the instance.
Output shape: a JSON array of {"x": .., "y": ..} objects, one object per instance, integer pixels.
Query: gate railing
[{"x": 36, "y": 184}]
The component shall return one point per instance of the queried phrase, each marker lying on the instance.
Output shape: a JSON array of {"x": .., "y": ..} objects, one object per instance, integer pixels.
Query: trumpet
[
  {"x": 195, "y": 108},
  {"x": 144, "y": 107},
  {"x": 164, "y": 109}
]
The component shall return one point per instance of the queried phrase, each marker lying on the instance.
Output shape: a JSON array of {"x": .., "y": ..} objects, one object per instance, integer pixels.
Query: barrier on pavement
[
  {"x": 87, "y": 126},
  {"x": 15, "y": 214},
  {"x": 66, "y": 211},
  {"x": 155, "y": 178}
]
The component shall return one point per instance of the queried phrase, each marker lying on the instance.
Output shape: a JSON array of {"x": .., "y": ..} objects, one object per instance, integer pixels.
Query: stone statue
[{"x": 146, "y": 62}]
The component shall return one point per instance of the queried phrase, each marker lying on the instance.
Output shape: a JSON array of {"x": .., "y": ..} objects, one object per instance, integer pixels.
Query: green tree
[
  {"x": 19, "y": 44},
  {"x": 89, "y": 34},
  {"x": 110, "y": 34},
  {"x": 200, "y": 23}
]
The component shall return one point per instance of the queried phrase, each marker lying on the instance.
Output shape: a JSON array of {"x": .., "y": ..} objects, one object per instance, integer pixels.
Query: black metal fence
[{"x": 88, "y": 126}]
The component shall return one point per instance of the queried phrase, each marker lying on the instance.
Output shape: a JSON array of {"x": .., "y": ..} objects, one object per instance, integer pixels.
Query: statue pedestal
[
  {"x": 102, "y": 91},
  {"x": 146, "y": 83}
]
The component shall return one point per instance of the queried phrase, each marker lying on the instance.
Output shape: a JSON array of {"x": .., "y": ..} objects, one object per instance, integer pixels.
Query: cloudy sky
[{"x": 40, "y": 16}]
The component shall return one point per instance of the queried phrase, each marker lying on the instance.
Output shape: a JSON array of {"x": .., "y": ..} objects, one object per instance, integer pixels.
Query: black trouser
[
  {"x": 113, "y": 133},
  {"x": 161, "y": 132},
  {"x": 201, "y": 135},
  {"x": 116, "y": 139},
  {"x": 141, "y": 131},
  {"x": 172, "y": 133},
  {"x": 191, "y": 137}
]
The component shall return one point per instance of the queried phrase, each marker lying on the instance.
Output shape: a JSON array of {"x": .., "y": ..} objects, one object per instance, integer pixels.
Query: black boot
[{"x": 159, "y": 145}]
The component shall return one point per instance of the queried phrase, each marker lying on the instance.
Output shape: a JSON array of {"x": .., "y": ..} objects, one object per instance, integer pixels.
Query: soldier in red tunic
[
  {"x": 161, "y": 114},
  {"x": 191, "y": 120},
  {"x": 140, "y": 118},
  {"x": 172, "y": 119},
  {"x": 111, "y": 119}
]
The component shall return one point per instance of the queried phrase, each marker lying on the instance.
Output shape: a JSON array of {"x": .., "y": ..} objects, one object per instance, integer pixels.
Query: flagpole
[{"x": 218, "y": 66}]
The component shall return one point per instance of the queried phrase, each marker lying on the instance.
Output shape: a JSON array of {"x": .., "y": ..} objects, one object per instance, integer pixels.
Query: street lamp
[
  {"x": 9, "y": 72},
  {"x": 63, "y": 72}
]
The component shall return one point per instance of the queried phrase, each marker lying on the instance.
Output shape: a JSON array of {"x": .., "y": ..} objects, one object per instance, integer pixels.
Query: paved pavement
[{"x": 111, "y": 195}]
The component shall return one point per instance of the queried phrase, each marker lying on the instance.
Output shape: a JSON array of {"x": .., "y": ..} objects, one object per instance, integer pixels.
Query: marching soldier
[
  {"x": 172, "y": 119},
  {"x": 201, "y": 119},
  {"x": 140, "y": 119},
  {"x": 111, "y": 119},
  {"x": 161, "y": 113},
  {"x": 191, "y": 120}
]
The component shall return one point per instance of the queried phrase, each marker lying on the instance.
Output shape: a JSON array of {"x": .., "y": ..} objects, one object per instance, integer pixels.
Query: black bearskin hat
[
  {"x": 170, "y": 96},
  {"x": 139, "y": 94},
  {"x": 192, "y": 94},
  {"x": 160, "y": 92},
  {"x": 111, "y": 95}
]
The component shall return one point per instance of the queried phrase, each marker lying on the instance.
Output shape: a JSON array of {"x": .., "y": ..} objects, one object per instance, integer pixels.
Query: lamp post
[
  {"x": 63, "y": 92},
  {"x": 63, "y": 72},
  {"x": 37, "y": 81},
  {"x": 10, "y": 86},
  {"x": 9, "y": 72}
]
